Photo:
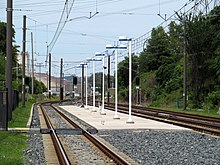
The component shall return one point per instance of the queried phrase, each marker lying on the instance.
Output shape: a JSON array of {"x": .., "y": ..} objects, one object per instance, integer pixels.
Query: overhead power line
[{"x": 64, "y": 17}]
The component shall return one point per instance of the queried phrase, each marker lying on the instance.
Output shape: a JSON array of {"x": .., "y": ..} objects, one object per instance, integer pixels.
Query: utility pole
[
  {"x": 49, "y": 75},
  {"x": 185, "y": 65},
  {"x": 23, "y": 60},
  {"x": 61, "y": 80},
  {"x": 74, "y": 83},
  {"x": 8, "y": 69},
  {"x": 138, "y": 84},
  {"x": 109, "y": 62},
  {"x": 82, "y": 86},
  {"x": 47, "y": 79},
  {"x": 32, "y": 81}
]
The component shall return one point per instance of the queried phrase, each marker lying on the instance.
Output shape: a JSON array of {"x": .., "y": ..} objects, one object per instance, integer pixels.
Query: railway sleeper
[{"x": 67, "y": 131}]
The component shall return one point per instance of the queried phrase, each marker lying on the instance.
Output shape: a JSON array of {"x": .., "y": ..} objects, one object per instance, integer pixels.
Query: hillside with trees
[{"x": 161, "y": 63}]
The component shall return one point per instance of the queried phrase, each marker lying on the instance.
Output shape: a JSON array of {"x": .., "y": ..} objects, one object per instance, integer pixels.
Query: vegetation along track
[
  {"x": 204, "y": 124},
  {"x": 77, "y": 142}
]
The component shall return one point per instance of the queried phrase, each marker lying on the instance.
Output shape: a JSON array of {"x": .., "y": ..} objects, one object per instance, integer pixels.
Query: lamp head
[
  {"x": 99, "y": 54},
  {"x": 122, "y": 47},
  {"x": 89, "y": 59},
  {"x": 110, "y": 47},
  {"x": 98, "y": 59},
  {"x": 123, "y": 38}
]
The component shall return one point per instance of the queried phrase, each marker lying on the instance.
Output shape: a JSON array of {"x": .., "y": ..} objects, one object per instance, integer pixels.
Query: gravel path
[
  {"x": 34, "y": 153},
  {"x": 166, "y": 147}
]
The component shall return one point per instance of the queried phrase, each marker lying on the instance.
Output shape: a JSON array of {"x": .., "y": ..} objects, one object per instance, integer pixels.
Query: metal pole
[
  {"x": 138, "y": 83},
  {"x": 32, "y": 81},
  {"x": 47, "y": 79},
  {"x": 116, "y": 85},
  {"x": 49, "y": 75},
  {"x": 130, "y": 84},
  {"x": 23, "y": 60},
  {"x": 93, "y": 66},
  {"x": 109, "y": 58},
  {"x": 185, "y": 65},
  {"x": 6, "y": 115},
  {"x": 61, "y": 79},
  {"x": 82, "y": 87},
  {"x": 103, "y": 86},
  {"x": 86, "y": 86},
  {"x": 9, "y": 10},
  {"x": 73, "y": 92}
]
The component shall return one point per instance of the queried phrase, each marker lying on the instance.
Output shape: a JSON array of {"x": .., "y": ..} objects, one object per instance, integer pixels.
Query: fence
[{"x": 4, "y": 110}]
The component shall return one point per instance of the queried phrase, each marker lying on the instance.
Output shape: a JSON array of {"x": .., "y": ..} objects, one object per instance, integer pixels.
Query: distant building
[
  {"x": 43, "y": 77},
  {"x": 55, "y": 83},
  {"x": 27, "y": 62}
]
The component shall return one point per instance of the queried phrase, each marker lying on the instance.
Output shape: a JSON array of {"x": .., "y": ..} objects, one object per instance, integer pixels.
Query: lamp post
[
  {"x": 82, "y": 83},
  {"x": 116, "y": 76},
  {"x": 93, "y": 66},
  {"x": 103, "y": 82},
  {"x": 130, "y": 77},
  {"x": 75, "y": 80},
  {"x": 86, "y": 107}
]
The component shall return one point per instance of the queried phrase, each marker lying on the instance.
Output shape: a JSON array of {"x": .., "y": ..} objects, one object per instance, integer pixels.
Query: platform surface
[{"x": 99, "y": 121}]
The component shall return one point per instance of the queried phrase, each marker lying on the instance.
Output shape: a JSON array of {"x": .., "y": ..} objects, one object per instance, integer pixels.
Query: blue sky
[{"x": 82, "y": 37}]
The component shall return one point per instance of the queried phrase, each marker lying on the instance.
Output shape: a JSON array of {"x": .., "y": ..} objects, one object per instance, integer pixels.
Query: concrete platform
[{"x": 107, "y": 122}]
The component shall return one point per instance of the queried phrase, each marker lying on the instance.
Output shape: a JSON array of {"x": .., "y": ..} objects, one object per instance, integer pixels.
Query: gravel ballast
[
  {"x": 34, "y": 154},
  {"x": 148, "y": 147},
  {"x": 165, "y": 147}
]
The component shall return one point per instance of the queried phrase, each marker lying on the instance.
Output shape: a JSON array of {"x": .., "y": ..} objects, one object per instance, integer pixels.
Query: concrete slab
[{"x": 107, "y": 122}]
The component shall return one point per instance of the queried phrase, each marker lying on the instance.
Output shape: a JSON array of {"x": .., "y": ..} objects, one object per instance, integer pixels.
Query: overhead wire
[
  {"x": 61, "y": 25},
  {"x": 106, "y": 12},
  {"x": 148, "y": 33}
]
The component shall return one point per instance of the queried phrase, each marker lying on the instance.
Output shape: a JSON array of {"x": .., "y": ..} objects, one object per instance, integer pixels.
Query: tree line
[{"x": 161, "y": 63}]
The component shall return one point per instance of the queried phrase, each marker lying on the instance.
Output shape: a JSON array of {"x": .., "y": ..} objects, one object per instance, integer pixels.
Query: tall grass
[
  {"x": 13, "y": 144},
  {"x": 12, "y": 147},
  {"x": 20, "y": 116}
]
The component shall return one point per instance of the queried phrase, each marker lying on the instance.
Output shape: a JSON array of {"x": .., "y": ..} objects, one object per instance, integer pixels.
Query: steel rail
[
  {"x": 110, "y": 153},
  {"x": 203, "y": 124},
  {"x": 62, "y": 157},
  {"x": 171, "y": 113}
]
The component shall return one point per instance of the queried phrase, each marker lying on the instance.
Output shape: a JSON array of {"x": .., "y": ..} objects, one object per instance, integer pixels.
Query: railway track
[
  {"x": 209, "y": 125},
  {"x": 73, "y": 143}
]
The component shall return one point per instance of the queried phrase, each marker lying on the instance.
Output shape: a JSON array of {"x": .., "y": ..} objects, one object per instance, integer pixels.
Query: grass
[
  {"x": 20, "y": 116},
  {"x": 203, "y": 112},
  {"x": 12, "y": 147},
  {"x": 13, "y": 144}
]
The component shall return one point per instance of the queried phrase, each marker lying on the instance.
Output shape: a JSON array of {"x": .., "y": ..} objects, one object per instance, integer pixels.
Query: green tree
[
  {"x": 157, "y": 51},
  {"x": 214, "y": 62},
  {"x": 3, "y": 53},
  {"x": 175, "y": 37},
  {"x": 123, "y": 74},
  {"x": 200, "y": 49}
]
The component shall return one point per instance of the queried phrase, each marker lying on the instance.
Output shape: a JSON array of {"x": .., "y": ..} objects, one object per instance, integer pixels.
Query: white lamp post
[
  {"x": 103, "y": 82},
  {"x": 116, "y": 76},
  {"x": 86, "y": 107},
  {"x": 93, "y": 66},
  {"x": 130, "y": 76}
]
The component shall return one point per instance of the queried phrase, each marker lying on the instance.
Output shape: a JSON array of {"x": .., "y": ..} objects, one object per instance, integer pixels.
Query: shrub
[{"x": 213, "y": 99}]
